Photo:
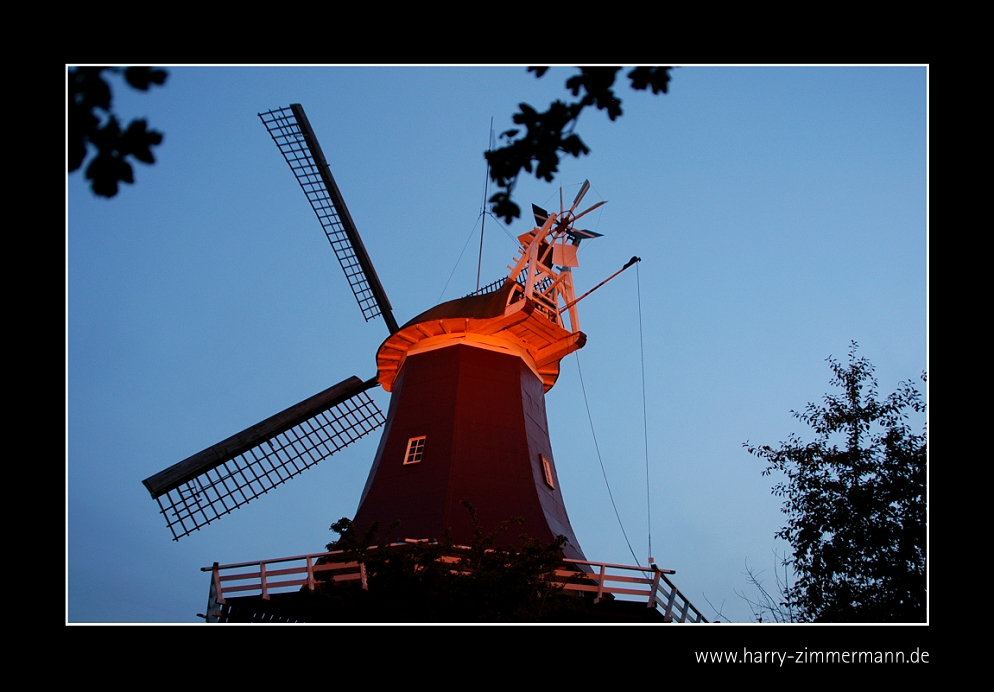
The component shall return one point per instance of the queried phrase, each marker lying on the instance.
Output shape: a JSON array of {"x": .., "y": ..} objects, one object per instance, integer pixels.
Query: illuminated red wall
[{"x": 483, "y": 413}]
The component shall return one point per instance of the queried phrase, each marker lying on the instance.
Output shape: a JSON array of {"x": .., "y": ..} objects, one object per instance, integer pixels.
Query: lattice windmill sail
[
  {"x": 213, "y": 482},
  {"x": 293, "y": 135},
  {"x": 468, "y": 380}
]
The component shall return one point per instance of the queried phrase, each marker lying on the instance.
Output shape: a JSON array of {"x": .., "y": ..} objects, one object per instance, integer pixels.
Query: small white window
[
  {"x": 415, "y": 450},
  {"x": 547, "y": 471}
]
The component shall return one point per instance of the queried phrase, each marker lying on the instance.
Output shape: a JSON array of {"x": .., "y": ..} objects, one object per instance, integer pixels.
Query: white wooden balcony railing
[{"x": 288, "y": 574}]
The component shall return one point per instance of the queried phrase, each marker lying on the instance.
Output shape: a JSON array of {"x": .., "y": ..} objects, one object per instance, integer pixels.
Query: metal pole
[{"x": 632, "y": 261}]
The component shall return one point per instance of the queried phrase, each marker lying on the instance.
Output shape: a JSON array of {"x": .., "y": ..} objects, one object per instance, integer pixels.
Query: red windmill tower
[{"x": 467, "y": 418}]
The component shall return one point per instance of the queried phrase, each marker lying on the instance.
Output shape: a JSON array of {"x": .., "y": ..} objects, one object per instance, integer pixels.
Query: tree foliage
[
  {"x": 492, "y": 582},
  {"x": 551, "y": 132},
  {"x": 855, "y": 502},
  {"x": 93, "y": 123}
]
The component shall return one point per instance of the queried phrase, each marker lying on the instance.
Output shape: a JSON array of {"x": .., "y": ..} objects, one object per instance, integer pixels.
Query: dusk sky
[{"x": 780, "y": 213}]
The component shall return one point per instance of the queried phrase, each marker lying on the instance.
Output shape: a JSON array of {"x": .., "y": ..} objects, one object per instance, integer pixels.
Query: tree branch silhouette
[
  {"x": 551, "y": 132},
  {"x": 92, "y": 122}
]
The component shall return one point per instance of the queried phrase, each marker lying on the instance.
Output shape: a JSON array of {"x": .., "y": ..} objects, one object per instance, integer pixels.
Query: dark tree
[
  {"x": 855, "y": 502},
  {"x": 550, "y": 132},
  {"x": 491, "y": 582},
  {"x": 93, "y": 123}
]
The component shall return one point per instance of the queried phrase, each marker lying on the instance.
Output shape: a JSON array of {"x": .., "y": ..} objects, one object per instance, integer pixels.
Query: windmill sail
[
  {"x": 211, "y": 483},
  {"x": 293, "y": 135}
]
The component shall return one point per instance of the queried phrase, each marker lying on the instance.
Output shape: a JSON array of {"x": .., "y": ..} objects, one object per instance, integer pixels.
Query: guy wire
[
  {"x": 601, "y": 461},
  {"x": 645, "y": 424}
]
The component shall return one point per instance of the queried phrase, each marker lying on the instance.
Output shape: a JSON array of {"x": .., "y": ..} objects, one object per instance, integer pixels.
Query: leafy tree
[
  {"x": 855, "y": 502},
  {"x": 420, "y": 583},
  {"x": 93, "y": 123},
  {"x": 550, "y": 132}
]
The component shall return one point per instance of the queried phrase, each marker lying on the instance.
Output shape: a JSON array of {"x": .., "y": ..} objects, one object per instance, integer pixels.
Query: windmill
[{"x": 467, "y": 378}]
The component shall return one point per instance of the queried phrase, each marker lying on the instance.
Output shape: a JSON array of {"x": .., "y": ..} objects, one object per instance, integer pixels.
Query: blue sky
[{"x": 780, "y": 213}]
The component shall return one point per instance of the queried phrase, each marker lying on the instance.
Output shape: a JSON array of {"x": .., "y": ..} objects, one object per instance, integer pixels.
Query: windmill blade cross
[
  {"x": 584, "y": 213},
  {"x": 211, "y": 483},
  {"x": 579, "y": 195},
  {"x": 292, "y": 133}
]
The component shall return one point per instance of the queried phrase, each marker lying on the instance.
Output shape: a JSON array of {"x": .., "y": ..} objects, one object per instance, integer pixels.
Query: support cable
[
  {"x": 503, "y": 228},
  {"x": 481, "y": 219},
  {"x": 472, "y": 231},
  {"x": 483, "y": 207},
  {"x": 645, "y": 424},
  {"x": 600, "y": 460}
]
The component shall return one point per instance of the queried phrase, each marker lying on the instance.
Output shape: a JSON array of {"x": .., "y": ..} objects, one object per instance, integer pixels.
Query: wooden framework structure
[{"x": 524, "y": 316}]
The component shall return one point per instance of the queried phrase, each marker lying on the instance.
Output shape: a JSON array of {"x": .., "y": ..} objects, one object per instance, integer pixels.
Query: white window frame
[
  {"x": 415, "y": 450},
  {"x": 547, "y": 471}
]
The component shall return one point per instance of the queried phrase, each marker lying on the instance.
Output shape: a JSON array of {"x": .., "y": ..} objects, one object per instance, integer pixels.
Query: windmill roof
[{"x": 472, "y": 307}]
